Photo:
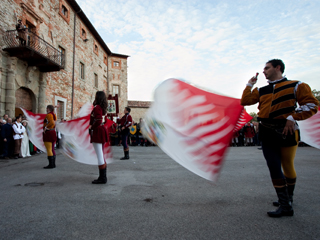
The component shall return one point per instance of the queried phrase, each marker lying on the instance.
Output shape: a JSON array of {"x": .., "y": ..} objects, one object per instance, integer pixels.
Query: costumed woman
[
  {"x": 98, "y": 133},
  {"x": 50, "y": 136},
  {"x": 25, "y": 150}
]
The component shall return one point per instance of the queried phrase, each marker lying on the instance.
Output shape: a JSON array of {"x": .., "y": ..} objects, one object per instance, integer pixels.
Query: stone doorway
[{"x": 25, "y": 98}]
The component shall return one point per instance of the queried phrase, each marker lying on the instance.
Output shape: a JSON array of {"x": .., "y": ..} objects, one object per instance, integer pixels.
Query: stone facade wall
[
  {"x": 138, "y": 109},
  {"x": 118, "y": 76},
  {"x": 57, "y": 29}
]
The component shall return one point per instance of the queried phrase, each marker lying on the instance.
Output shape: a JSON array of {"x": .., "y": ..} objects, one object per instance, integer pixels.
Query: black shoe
[
  {"x": 290, "y": 192},
  {"x": 285, "y": 208},
  {"x": 50, "y": 166},
  {"x": 126, "y": 156},
  {"x": 54, "y": 161},
  {"x": 102, "y": 179},
  {"x": 281, "y": 212}
]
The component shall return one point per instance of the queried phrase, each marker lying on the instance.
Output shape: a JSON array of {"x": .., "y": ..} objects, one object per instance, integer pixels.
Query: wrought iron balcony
[{"x": 29, "y": 47}]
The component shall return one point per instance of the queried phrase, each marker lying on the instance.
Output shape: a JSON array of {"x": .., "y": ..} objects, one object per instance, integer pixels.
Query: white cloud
[{"x": 216, "y": 44}]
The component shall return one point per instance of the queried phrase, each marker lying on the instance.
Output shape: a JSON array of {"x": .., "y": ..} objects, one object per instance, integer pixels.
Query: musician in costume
[
  {"x": 278, "y": 129},
  {"x": 99, "y": 134},
  {"x": 125, "y": 123},
  {"x": 50, "y": 136}
]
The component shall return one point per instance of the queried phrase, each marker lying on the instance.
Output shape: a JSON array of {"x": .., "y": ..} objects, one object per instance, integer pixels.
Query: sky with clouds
[{"x": 217, "y": 45}]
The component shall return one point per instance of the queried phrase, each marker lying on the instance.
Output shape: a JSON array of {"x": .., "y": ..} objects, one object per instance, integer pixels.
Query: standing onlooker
[
  {"x": 2, "y": 122},
  {"x": 18, "y": 131},
  {"x": 25, "y": 149},
  {"x": 59, "y": 136},
  {"x": 7, "y": 138},
  {"x": 5, "y": 117},
  {"x": 22, "y": 32},
  {"x": 249, "y": 134}
]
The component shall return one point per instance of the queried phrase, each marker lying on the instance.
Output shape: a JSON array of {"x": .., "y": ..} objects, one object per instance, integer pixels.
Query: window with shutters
[{"x": 60, "y": 110}]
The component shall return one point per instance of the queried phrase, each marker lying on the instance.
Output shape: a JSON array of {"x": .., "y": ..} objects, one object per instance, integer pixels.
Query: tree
[
  {"x": 254, "y": 116},
  {"x": 316, "y": 94}
]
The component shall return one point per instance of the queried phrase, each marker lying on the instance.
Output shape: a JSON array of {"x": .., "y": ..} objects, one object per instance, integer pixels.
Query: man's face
[
  {"x": 125, "y": 111},
  {"x": 9, "y": 121},
  {"x": 19, "y": 119},
  {"x": 269, "y": 71},
  {"x": 5, "y": 117}
]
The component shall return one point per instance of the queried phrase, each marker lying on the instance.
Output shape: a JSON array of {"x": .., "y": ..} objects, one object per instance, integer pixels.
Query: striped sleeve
[
  {"x": 308, "y": 104},
  {"x": 249, "y": 97}
]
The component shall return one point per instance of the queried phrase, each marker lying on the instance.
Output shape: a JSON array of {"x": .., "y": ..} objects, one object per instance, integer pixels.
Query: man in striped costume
[{"x": 278, "y": 129}]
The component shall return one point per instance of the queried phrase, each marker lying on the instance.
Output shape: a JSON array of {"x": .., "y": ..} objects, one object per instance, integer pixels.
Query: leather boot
[
  {"x": 50, "y": 159},
  {"x": 285, "y": 208},
  {"x": 290, "y": 192},
  {"x": 54, "y": 161},
  {"x": 126, "y": 155},
  {"x": 102, "y": 179}
]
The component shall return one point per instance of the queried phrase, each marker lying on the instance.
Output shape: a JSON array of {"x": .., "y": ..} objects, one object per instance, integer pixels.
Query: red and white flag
[
  {"x": 194, "y": 127},
  {"x": 243, "y": 119},
  {"x": 75, "y": 141},
  {"x": 35, "y": 128},
  {"x": 310, "y": 130}
]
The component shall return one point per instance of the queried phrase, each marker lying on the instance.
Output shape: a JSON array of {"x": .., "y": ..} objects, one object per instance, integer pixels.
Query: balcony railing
[{"x": 27, "y": 46}]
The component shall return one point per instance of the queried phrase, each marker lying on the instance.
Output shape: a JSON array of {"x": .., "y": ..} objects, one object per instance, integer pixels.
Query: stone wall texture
[
  {"x": 138, "y": 109},
  {"x": 54, "y": 22}
]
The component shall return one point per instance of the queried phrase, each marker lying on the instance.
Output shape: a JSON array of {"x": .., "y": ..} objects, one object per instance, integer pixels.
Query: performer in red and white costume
[
  {"x": 249, "y": 133},
  {"x": 125, "y": 124},
  {"x": 99, "y": 134}
]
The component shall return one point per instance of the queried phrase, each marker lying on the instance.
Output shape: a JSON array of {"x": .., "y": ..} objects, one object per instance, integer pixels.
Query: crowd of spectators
[{"x": 14, "y": 140}]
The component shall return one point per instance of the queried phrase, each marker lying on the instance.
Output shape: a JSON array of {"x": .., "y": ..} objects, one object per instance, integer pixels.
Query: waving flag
[
  {"x": 310, "y": 130},
  {"x": 76, "y": 141},
  {"x": 194, "y": 127},
  {"x": 244, "y": 118},
  {"x": 35, "y": 128}
]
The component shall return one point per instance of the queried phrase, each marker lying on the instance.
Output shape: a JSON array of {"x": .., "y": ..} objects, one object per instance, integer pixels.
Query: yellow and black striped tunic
[{"x": 279, "y": 99}]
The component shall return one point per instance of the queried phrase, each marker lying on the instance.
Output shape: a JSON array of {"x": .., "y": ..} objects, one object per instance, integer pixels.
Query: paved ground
[{"x": 152, "y": 197}]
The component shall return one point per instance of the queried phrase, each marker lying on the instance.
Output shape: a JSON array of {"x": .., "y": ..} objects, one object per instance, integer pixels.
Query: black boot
[
  {"x": 290, "y": 192},
  {"x": 285, "y": 208},
  {"x": 126, "y": 155},
  {"x": 54, "y": 161},
  {"x": 102, "y": 179},
  {"x": 50, "y": 158}
]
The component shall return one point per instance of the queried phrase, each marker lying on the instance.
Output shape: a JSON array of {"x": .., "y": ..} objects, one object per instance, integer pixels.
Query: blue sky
[{"x": 217, "y": 45}]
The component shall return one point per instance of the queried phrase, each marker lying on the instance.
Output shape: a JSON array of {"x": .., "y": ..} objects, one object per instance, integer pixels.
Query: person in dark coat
[
  {"x": 125, "y": 123},
  {"x": 7, "y": 138},
  {"x": 99, "y": 134}
]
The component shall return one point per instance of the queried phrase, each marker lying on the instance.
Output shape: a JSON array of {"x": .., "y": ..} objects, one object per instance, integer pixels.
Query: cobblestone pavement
[{"x": 152, "y": 197}]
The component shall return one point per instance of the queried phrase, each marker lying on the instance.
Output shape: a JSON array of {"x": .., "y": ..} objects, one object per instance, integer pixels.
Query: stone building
[
  {"x": 138, "y": 109},
  {"x": 62, "y": 61}
]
